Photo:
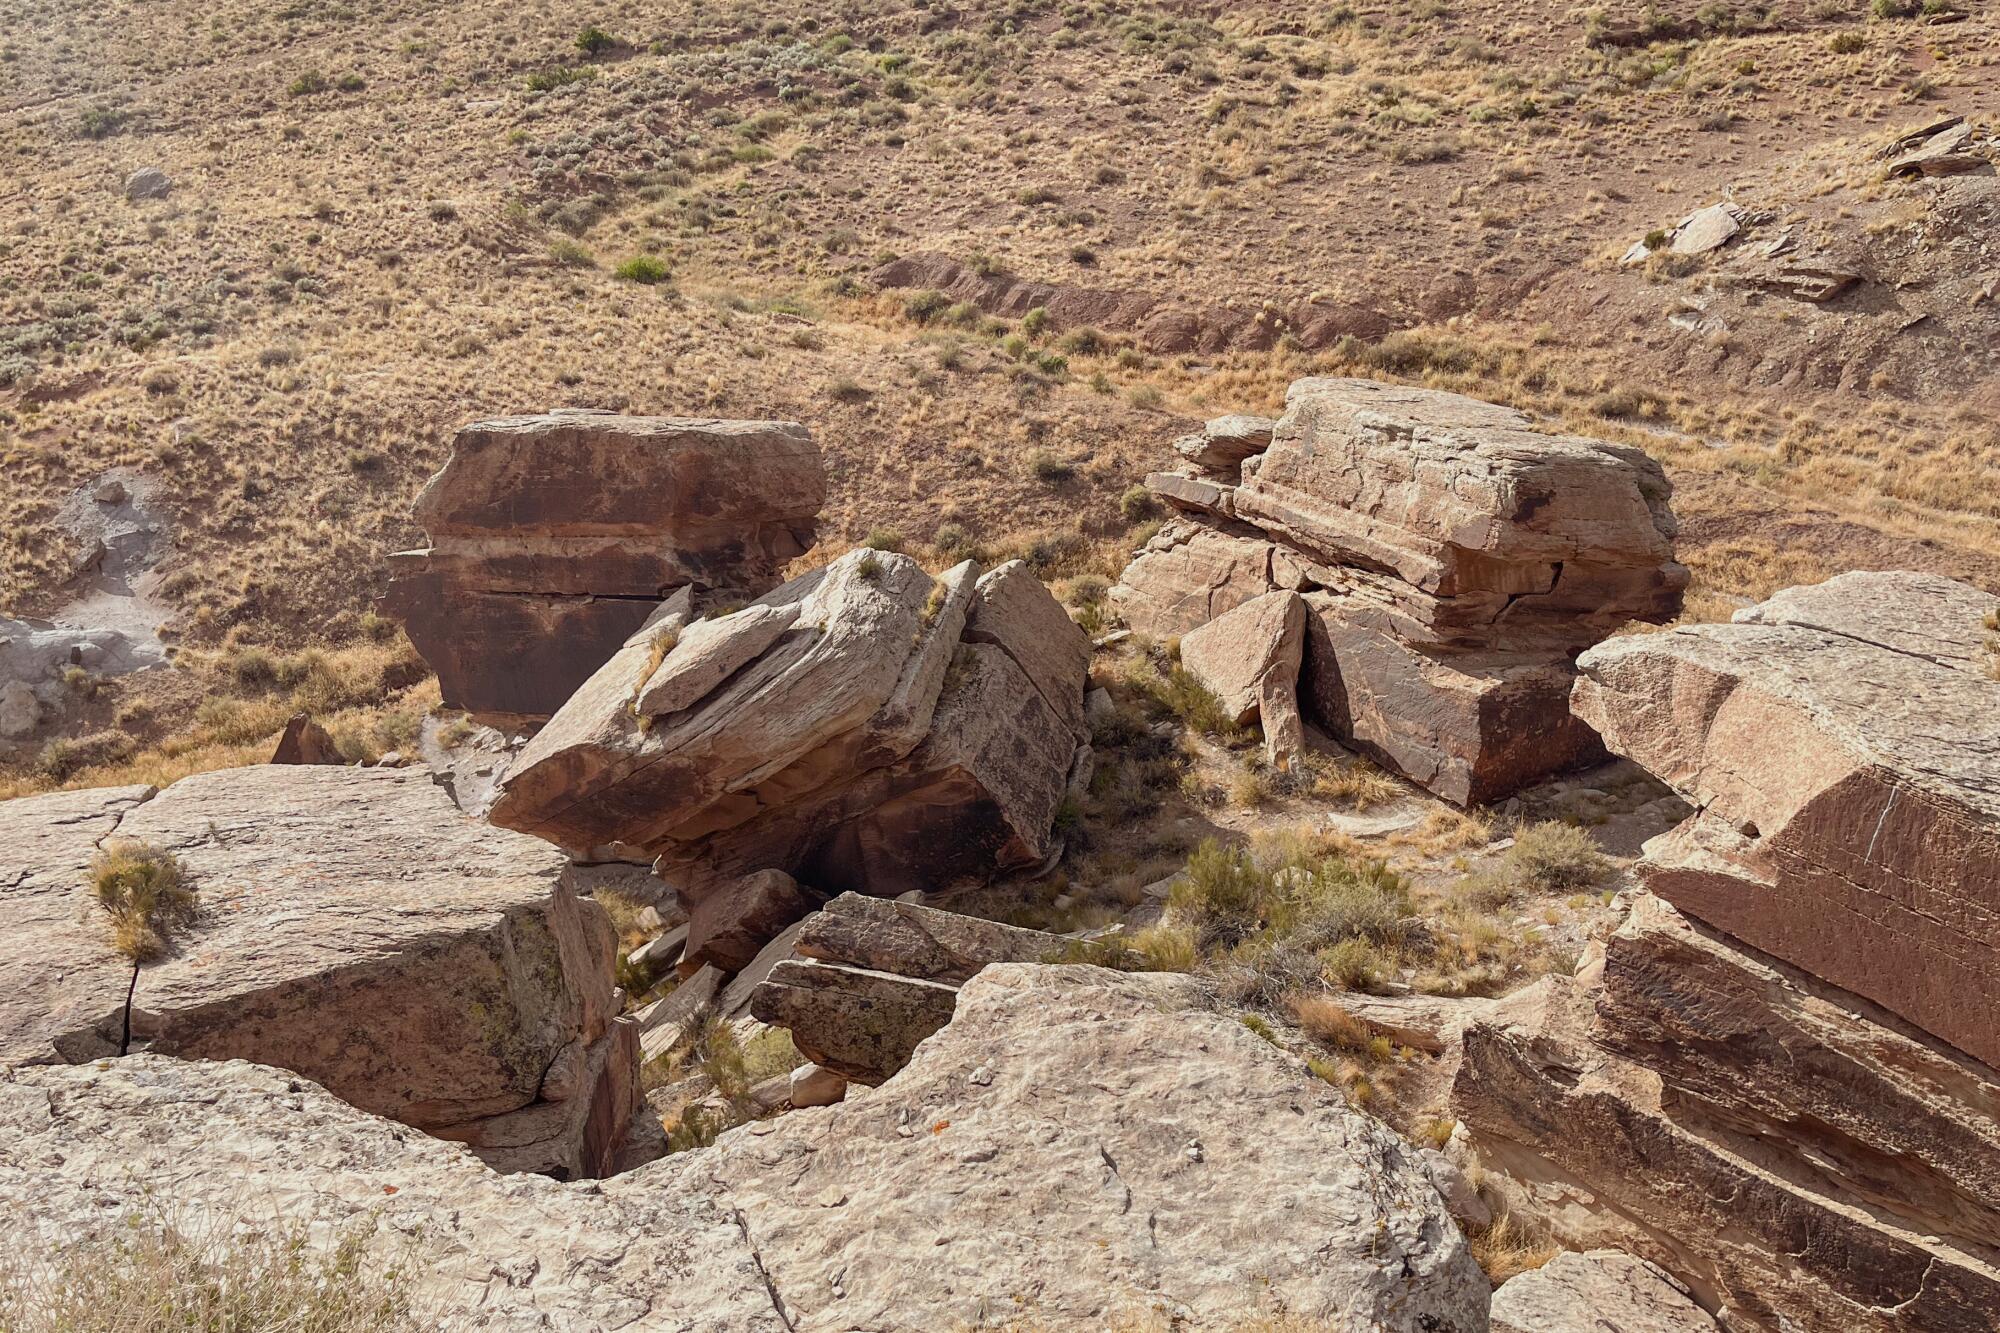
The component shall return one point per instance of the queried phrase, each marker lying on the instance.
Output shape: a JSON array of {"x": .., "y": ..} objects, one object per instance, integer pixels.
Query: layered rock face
[
  {"x": 554, "y": 537},
  {"x": 1842, "y": 746},
  {"x": 864, "y": 728},
  {"x": 1779, "y": 1083},
  {"x": 1453, "y": 561},
  {"x": 869, "y": 979},
  {"x": 1125, "y": 1151},
  {"x": 354, "y": 927}
]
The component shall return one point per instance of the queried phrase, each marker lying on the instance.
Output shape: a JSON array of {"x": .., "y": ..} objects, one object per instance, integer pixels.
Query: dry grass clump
[
  {"x": 1556, "y": 858},
  {"x": 156, "y": 1277},
  {"x": 1509, "y": 1247},
  {"x": 140, "y": 888}
]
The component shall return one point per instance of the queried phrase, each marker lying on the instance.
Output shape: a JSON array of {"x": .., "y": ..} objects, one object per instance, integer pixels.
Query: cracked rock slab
[
  {"x": 353, "y": 927},
  {"x": 1842, "y": 746}
]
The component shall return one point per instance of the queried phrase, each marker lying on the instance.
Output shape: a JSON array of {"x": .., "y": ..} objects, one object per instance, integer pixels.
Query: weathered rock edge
[{"x": 1122, "y": 1152}]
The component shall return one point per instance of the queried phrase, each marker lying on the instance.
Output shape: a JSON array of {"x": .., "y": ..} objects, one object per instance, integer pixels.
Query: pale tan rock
[
  {"x": 812, "y": 1085},
  {"x": 1123, "y": 1150},
  {"x": 553, "y": 536},
  {"x": 1013, "y": 611},
  {"x": 1223, "y": 444},
  {"x": 1839, "y": 743},
  {"x": 354, "y": 927},
  {"x": 708, "y": 652},
  {"x": 1198, "y": 494},
  {"x": 1187, "y": 576},
  {"x": 1594, "y": 1291},
  {"x": 1250, "y": 658}
]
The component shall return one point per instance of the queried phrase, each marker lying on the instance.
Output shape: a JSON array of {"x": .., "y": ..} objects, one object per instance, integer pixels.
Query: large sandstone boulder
[
  {"x": 871, "y": 979},
  {"x": 1793, "y": 1154},
  {"x": 354, "y": 927},
  {"x": 1076, "y": 1150},
  {"x": 899, "y": 732},
  {"x": 1453, "y": 558},
  {"x": 554, "y": 537},
  {"x": 1840, "y": 744}
]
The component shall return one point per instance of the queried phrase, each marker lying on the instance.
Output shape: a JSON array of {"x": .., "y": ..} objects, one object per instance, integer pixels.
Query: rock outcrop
[
  {"x": 1783, "y": 1148},
  {"x": 1250, "y": 658},
  {"x": 871, "y": 979},
  {"x": 36, "y": 659},
  {"x": 1779, "y": 1082},
  {"x": 554, "y": 537},
  {"x": 1125, "y": 1153},
  {"x": 1594, "y": 1292},
  {"x": 864, "y": 728},
  {"x": 353, "y": 927},
  {"x": 1841, "y": 744},
  {"x": 1453, "y": 561}
]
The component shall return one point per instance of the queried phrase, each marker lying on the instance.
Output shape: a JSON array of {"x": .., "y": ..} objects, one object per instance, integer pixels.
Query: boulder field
[
  {"x": 1452, "y": 560},
  {"x": 1777, "y": 1080},
  {"x": 1077, "y": 1147}
]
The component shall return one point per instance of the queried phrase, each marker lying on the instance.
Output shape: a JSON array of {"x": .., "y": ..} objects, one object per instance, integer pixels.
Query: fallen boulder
[
  {"x": 436, "y": 971},
  {"x": 901, "y": 732},
  {"x": 1250, "y": 658},
  {"x": 554, "y": 537},
  {"x": 1453, "y": 561},
  {"x": 1120, "y": 1147},
  {"x": 1838, "y": 743},
  {"x": 871, "y": 979}
]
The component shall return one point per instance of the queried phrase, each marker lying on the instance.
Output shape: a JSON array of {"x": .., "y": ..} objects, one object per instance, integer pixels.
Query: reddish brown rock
[
  {"x": 306, "y": 742},
  {"x": 1453, "y": 560},
  {"x": 353, "y": 927},
  {"x": 553, "y": 537},
  {"x": 1840, "y": 744},
  {"x": 1796, "y": 1156},
  {"x": 729, "y": 926}
]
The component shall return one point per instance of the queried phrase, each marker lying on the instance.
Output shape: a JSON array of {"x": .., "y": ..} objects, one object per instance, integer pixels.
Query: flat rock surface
[
  {"x": 353, "y": 926},
  {"x": 1076, "y": 1147}
]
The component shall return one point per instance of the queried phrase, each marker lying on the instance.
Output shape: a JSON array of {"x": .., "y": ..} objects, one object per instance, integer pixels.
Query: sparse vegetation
[{"x": 141, "y": 889}]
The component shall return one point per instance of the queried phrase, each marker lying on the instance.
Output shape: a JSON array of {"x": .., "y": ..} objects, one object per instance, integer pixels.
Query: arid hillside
[{"x": 996, "y": 256}]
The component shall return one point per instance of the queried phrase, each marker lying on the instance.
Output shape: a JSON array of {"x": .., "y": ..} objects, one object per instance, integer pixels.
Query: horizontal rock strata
[
  {"x": 554, "y": 537},
  {"x": 1797, "y": 1157},
  {"x": 1453, "y": 560},
  {"x": 354, "y": 927},
  {"x": 1120, "y": 1147}
]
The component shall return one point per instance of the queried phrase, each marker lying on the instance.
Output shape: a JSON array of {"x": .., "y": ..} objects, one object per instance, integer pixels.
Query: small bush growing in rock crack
[
  {"x": 140, "y": 887},
  {"x": 160, "y": 1274}
]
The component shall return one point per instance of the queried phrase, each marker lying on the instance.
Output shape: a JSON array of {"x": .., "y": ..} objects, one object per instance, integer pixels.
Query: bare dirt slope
[{"x": 390, "y": 218}]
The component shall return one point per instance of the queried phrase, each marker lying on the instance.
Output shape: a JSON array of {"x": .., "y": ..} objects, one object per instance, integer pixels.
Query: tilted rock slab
[
  {"x": 1453, "y": 559},
  {"x": 354, "y": 927},
  {"x": 1842, "y": 745},
  {"x": 553, "y": 538},
  {"x": 871, "y": 979},
  {"x": 1250, "y": 658},
  {"x": 1787, "y": 1150},
  {"x": 1123, "y": 1152},
  {"x": 900, "y": 732}
]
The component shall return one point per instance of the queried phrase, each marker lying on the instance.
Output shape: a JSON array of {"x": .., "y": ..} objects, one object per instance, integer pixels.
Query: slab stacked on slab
[
  {"x": 1781, "y": 1082},
  {"x": 865, "y": 728},
  {"x": 354, "y": 927},
  {"x": 1126, "y": 1152},
  {"x": 870, "y": 979},
  {"x": 1453, "y": 560},
  {"x": 553, "y": 537}
]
